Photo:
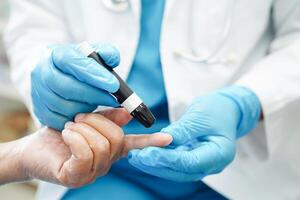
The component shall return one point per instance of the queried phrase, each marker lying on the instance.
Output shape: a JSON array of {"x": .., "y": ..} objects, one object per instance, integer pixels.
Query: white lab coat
[{"x": 267, "y": 164}]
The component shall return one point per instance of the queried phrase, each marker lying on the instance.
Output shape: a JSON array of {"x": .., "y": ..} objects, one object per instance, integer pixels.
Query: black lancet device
[{"x": 125, "y": 96}]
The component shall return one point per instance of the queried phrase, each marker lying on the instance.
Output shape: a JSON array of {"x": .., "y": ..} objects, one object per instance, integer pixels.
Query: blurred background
[{"x": 15, "y": 121}]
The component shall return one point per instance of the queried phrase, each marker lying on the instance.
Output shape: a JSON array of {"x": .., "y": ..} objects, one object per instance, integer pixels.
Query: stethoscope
[{"x": 124, "y": 5}]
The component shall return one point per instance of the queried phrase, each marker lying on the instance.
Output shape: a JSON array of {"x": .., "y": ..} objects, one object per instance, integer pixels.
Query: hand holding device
[
  {"x": 125, "y": 96},
  {"x": 65, "y": 82}
]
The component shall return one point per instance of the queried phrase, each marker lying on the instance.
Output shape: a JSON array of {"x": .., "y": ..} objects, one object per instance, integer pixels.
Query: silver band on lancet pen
[{"x": 132, "y": 102}]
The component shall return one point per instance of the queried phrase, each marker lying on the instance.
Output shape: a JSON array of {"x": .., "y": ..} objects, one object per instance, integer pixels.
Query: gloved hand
[
  {"x": 65, "y": 82},
  {"x": 85, "y": 150},
  {"x": 203, "y": 138}
]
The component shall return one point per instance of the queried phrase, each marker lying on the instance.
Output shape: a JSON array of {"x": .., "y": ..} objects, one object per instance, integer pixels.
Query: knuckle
[
  {"x": 118, "y": 136},
  {"x": 38, "y": 69},
  {"x": 70, "y": 108},
  {"x": 229, "y": 158},
  {"x": 84, "y": 117},
  {"x": 34, "y": 73},
  {"x": 228, "y": 155},
  {"x": 226, "y": 159},
  {"x": 104, "y": 147},
  {"x": 115, "y": 56},
  {"x": 92, "y": 178},
  {"x": 42, "y": 68},
  {"x": 74, "y": 185},
  {"x": 90, "y": 117},
  {"x": 58, "y": 56},
  {"x": 87, "y": 157},
  {"x": 63, "y": 180},
  {"x": 118, "y": 132},
  {"x": 48, "y": 78},
  {"x": 107, "y": 168},
  {"x": 103, "y": 169},
  {"x": 49, "y": 75}
]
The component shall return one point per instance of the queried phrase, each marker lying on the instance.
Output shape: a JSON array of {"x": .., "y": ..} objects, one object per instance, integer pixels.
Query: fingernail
[
  {"x": 79, "y": 117},
  {"x": 66, "y": 132},
  {"x": 166, "y": 136},
  {"x": 68, "y": 124}
]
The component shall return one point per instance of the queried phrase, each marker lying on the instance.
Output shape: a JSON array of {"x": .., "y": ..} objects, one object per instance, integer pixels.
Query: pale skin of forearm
[{"x": 10, "y": 162}]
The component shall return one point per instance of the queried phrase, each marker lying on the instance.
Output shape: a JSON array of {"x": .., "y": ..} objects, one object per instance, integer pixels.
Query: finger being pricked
[
  {"x": 108, "y": 124},
  {"x": 140, "y": 141}
]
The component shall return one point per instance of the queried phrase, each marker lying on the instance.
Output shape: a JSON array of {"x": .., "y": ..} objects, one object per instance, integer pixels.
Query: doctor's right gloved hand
[{"x": 66, "y": 82}]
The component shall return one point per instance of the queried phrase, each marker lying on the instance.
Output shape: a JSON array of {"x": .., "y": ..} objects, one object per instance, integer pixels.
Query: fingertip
[
  {"x": 60, "y": 55},
  {"x": 124, "y": 116},
  {"x": 163, "y": 139},
  {"x": 165, "y": 136},
  {"x": 99, "y": 77},
  {"x": 123, "y": 111},
  {"x": 69, "y": 135},
  {"x": 109, "y": 54},
  {"x": 65, "y": 133},
  {"x": 115, "y": 84},
  {"x": 79, "y": 117},
  {"x": 68, "y": 124}
]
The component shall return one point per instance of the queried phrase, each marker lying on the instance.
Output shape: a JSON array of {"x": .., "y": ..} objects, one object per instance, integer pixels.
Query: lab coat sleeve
[
  {"x": 32, "y": 26},
  {"x": 276, "y": 81}
]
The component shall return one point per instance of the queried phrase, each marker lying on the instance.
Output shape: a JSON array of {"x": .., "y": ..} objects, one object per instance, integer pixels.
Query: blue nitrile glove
[
  {"x": 65, "y": 82},
  {"x": 204, "y": 138}
]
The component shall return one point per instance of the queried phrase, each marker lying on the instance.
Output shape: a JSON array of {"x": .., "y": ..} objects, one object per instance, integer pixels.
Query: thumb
[
  {"x": 108, "y": 53},
  {"x": 118, "y": 115},
  {"x": 140, "y": 141}
]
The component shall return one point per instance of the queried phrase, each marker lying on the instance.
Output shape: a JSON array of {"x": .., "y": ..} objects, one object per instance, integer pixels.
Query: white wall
[{"x": 9, "y": 98}]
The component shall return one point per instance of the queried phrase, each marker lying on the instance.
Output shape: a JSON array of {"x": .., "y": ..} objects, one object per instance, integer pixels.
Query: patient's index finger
[{"x": 140, "y": 141}]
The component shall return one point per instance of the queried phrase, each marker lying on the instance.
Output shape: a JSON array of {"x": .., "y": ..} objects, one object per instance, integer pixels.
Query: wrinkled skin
[{"x": 85, "y": 150}]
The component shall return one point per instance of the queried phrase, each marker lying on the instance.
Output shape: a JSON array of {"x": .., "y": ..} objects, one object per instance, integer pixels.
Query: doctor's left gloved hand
[{"x": 204, "y": 138}]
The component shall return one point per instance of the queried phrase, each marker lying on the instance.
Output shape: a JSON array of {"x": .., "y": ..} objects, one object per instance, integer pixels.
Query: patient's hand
[{"x": 85, "y": 150}]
